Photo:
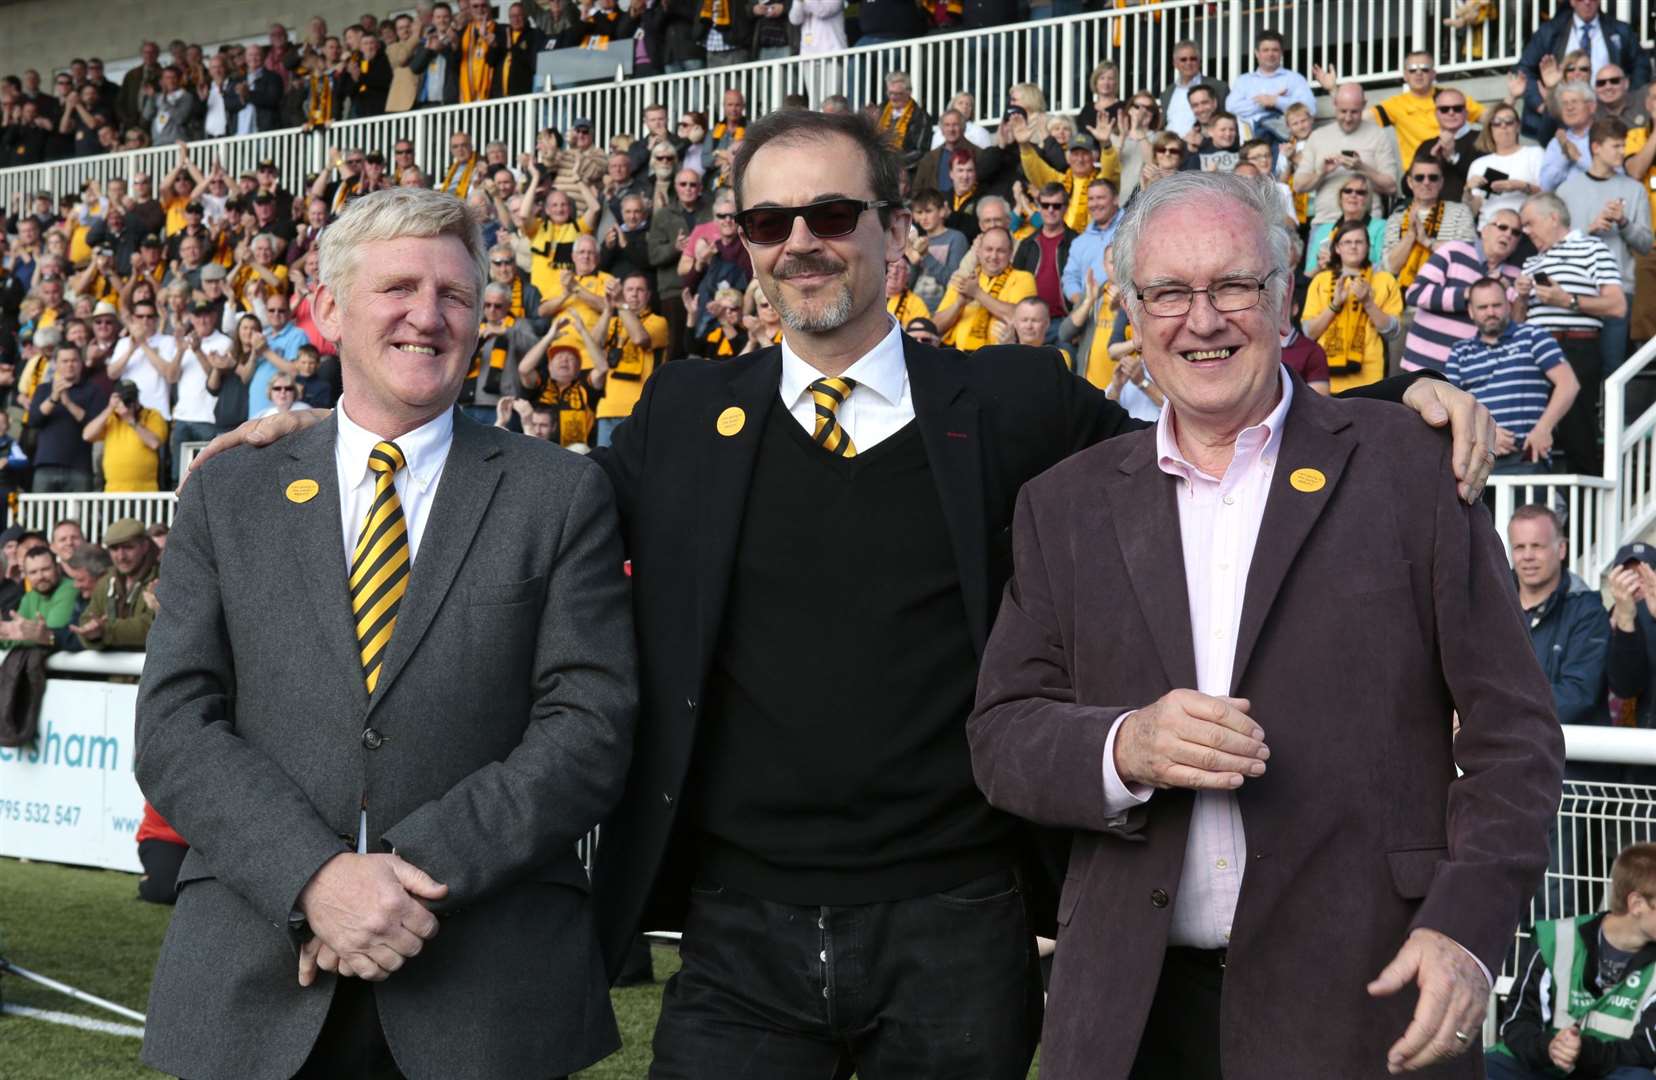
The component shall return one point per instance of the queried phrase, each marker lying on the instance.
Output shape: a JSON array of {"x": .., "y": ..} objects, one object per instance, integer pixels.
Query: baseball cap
[
  {"x": 582, "y": 122},
  {"x": 12, "y": 534},
  {"x": 1637, "y": 551},
  {"x": 1082, "y": 141},
  {"x": 922, "y": 325},
  {"x": 268, "y": 165},
  {"x": 213, "y": 272},
  {"x": 202, "y": 307},
  {"x": 192, "y": 207},
  {"x": 150, "y": 241}
]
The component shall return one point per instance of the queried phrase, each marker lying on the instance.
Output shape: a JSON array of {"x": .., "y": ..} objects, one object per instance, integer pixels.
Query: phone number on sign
[{"x": 39, "y": 813}]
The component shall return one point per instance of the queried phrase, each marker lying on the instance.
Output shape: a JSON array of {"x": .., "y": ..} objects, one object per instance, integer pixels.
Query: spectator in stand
[
  {"x": 550, "y": 227},
  {"x": 1351, "y": 309},
  {"x": 146, "y": 73},
  {"x": 512, "y": 55},
  {"x": 934, "y": 251},
  {"x": 1412, "y": 112},
  {"x": 276, "y": 348},
  {"x": 669, "y": 231},
  {"x": 1440, "y": 294},
  {"x": 1570, "y": 150},
  {"x": 119, "y": 614},
  {"x": 502, "y": 342},
  {"x": 57, "y": 411},
  {"x": 1262, "y": 96},
  {"x": 976, "y": 303},
  {"x": 169, "y": 111},
  {"x": 1355, "y": 200},
  {"x": 1568, "y": 287},
  {"x": 365, "y": 80},
  {"x": 84, "y": 119},
  {"x": 1611, "y": 87},
  {"x": 903, "y": 303},
  {"x": 67, "y": 535},
  {"x": 1618, "y": 213},
  {"x": 1456, "y": 143},
  {"x": 1578, "y": 25},
  {"x": 1045, "y": 253},
  {"x": 1080, "y": 155},
  {"x": 524, "y": 298},
  {"x": 193, "y": 414},
  {"x": 1518, "y": 371},
  {"x": 149, "y": 358},
  {"x": 1187, "y": 74},
  {"x": 1632, "y": 654},
  {"x": 1087, "y": 250},
  {"x": 716, "y": 259},
  {"x": 552, "y": 371},
  {"x": 1581, "y": 1006},
  {"x": 933, "y": 172},
  {"x": 626, "y": 246},
  {"x": 902, "y": 120},
  {"x": 1219, "y": 149},
  {"x": 284, "y": 396},
  {"x": 435, "y": 61},
  {"x": 47, "y": 608},
  {"x": 399, "y": 53},
  {"x": 725, "y": 32},
  {"x": 1517, "y": 167},
  {"x": 85, "y": 565},
  {"x": 261, "y": 94},
  {"x": 1306, "y": 359},
  {"x": 134, "y": 439},
  {"x": 1413, "y": 231},
  {"x": 821, "y": 26},
  {"x": 634, "y": 347}
]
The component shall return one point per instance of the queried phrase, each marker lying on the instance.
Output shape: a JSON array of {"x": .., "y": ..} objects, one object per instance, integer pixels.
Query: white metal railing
[
  {"x": 1585, "y": 504},
  {"x": 1358, "y": 38},
  {"x": 94, "y": 510}
]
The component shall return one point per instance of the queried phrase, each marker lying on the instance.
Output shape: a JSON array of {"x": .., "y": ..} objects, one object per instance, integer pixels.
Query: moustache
[{"x": 800, "y": 265}]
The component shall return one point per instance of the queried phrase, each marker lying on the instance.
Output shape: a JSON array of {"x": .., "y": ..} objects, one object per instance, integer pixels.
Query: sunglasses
[
  {"x": 1578, "y": 67},
  {"x": 283, "y": 389},
  {"x": 1354, "y": 191},
  {"x": 1505, "y": 121},
  {"x": 1498, "y": 227},
  {"x": 1169, "y": 151},
  {"x": 1615, "y": 81},
  {"x": 1426, "y": 178},
  {"x": 1451, "y": 108},
  {"x": 669, "y": 159},
  {"x": 827, "y": 219},
  {"x": 1415, "y": 69},
  {"x": 1052, "y": 205},
  {"x": 403, "y": 151},
  {"x": 724, "y": 217}
]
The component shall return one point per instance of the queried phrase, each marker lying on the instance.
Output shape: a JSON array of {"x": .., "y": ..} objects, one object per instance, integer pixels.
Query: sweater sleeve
[
  {"x": 1433, "y": 291},
  {"x": 1627, "y": 663}
]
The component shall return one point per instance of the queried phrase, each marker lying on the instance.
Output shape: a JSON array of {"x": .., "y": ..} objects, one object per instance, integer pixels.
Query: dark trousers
[
  {"x": 1181, "y": 1037},
  {"x": 1577, "y": 435},
  {"x": 351, "y": 1045},
  {"x": 676, "y": 314},
  {"x": 58, "y": 479},
  {"x": 937, "y": 987},
  {"x": 1501, "y": 1067}
]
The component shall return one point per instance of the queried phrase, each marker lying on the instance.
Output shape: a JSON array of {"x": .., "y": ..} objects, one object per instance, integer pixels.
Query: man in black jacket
[
  {"x": 516, "y": 46},
  {"x": 367, "y": 82},
  {"x": 436, "y": 60},
  {"x": 262, "y": 91},
  {"x": 1045, "y": 252},
  {"x": 847, "y": 896}
]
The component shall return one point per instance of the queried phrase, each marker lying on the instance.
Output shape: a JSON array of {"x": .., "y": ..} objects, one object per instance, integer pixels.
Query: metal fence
[
  {"x": 94, "y": 510},
  {"x": 1361, "y": 39}
]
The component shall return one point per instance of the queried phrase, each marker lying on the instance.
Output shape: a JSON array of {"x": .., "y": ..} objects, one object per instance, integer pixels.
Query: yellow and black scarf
[
  {"x": 980, "y": 326},
  {"x": 1418, "y": 254},
  {"x": 475, "y": 72},
  {"x": 463, "y": 185},
  {"x": 717, "y": 13},
  {"x": 898, "y": 129},
  {"x": 1346, "y": 339}
]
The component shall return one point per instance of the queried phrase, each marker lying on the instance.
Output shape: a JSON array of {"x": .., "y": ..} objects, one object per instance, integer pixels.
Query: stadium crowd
[{"x": 1501, "y": 246}]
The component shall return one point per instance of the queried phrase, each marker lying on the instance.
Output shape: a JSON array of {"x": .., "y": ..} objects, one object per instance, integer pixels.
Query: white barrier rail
[
  {"x": 94, "y": 510},
  {"x": 1360, "y": 39}
]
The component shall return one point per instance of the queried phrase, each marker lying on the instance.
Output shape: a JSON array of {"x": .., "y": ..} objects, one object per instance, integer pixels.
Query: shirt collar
[
  {"x": 881, "y": 369},
  {"x": 1263, "y": 438},
  {"x": 425, "y": 448}
]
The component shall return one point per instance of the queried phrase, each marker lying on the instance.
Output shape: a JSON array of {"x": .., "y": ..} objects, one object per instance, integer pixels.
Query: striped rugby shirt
[
  {"x": 1439, "y": 296},
  {"x": 1578, "y": 264},
  {"x": 1509, "y": 377}
]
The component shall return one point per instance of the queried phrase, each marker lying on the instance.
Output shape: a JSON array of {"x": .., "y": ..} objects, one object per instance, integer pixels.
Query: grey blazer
[{"x": 502, "y": 725}]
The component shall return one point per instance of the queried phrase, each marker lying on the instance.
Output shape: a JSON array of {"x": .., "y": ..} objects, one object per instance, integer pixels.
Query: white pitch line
[{"x": 105, "y": 1027}]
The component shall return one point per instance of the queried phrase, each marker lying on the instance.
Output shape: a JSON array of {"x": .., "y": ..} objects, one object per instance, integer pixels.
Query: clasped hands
[
  {"x": 366, "y": 916},
  {"x": 1187, "y": 739}
]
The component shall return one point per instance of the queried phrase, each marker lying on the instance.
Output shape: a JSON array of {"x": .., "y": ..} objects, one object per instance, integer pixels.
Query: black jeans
[
  {"x": 937, "y": 987},
  {"x": 1577, "y": 434}
]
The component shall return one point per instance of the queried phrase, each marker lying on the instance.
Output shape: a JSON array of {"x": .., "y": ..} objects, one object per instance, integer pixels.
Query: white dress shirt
[
  {"x": 1218, "y": 524},
  {"x": 877, "y": 408},
  {"x": 425, "y": 449},
  {"x": 153, "y": 390},
  {"x": 1601, "y": 49}
]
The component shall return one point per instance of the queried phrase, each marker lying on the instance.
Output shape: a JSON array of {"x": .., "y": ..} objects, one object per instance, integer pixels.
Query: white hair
[
  {"x": 1258, "y": 195},
  {"x": 1546, "y": 202},
  {"x": 391, "y": 214}
]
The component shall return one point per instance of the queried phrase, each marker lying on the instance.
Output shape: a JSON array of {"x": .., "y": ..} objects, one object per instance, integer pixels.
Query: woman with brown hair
[
  {"x": 1517, "y": 167},
  {"x": 1351, "y": 308}
]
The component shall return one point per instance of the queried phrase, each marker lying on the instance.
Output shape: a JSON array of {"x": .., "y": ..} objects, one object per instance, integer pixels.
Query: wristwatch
[{"x": 1575, "y": 302}]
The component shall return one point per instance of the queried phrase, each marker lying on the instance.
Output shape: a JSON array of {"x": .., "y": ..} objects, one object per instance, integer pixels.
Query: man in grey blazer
[{"x": 392, "y": 687}]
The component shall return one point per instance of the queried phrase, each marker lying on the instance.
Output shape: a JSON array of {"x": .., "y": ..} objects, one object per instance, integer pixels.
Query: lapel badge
[
  {"x": 730, "y": 421},
  {"x": 1307, "y": 480},
  {"x": 302, "y": 491}
]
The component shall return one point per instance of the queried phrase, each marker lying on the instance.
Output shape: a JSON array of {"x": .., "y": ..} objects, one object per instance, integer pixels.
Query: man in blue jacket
[{"x": 1580, "y": 24}]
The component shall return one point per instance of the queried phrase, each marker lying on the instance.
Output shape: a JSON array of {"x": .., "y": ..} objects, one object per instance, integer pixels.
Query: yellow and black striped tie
[
  {"x": 829, "y": 395},
  {"x": 379, "y": 566}
]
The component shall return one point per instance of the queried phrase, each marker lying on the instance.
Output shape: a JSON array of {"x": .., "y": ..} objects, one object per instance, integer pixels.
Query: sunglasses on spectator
[
  {"x": 1578, "y": 67},
  {"x": 276, "y": 311},
  {"x": 1354, "y": 191},
  {"x": 275, "y": 389},
  {"x": 1052, "y": 205},
  {"x": 1170, "y": 151},
  {"x": 1498, "y": 227},
  {"x": 402, "y": 150},
  {"x": 1505, "y": 121},
  {"x": 1611, "y": 80},
  {"x": 1426, "y": 178},
  {"x": 501, "y": 262},
  {"x": 827, "y": 220},
  {"x": 494, "y": 305},
  {"x": 1452, "y": 108},
  {"x": 727, "y": 216},
  {"x": 1415, "y": 69}
]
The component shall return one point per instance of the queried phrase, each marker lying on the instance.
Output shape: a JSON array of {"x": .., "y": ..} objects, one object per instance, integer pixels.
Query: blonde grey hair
[
  {"x": 1572, "y": 89},
  {"x": 392, "y": 214},
  {"x": 1258, "y": 194},
  {"x": 1546, "y": 202}
]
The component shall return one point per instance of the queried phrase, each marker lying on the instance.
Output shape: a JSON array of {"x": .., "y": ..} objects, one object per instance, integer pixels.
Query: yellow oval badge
[
  {"x": 302, "y": 491},
  {"x": 731, "y": 421},
  {"x": 1307, "y": 480}
]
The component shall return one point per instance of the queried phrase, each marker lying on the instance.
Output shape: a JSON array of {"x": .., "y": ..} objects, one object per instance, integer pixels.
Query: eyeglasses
[
  {"x": 274, "y": 389},
  {"x": 1498, "y": 227},
  {"x": 1452, "y": 108},
  {"x": 403, "y": 151},
  {"x": 827, "y": 219},
  {"x": 1426, "y": 178},
  {"x": 1354, "y": 191},
  {"x": 725, "y": 217},
  {"x": 1052, "y": 205},
  {"x": 276, "y": 311},
  {"x": 143, "y": 314},
  {"x": 493, "y": 305},
  {"x": 668, "y": 158},
  {"x": 1416, "y": 69},
  {"x": 1169, "y": 151},
  {"x": 1615, "y": 80},
  {"x": 501, "y": 262},
  {"x": 1579, "y": 68},
  {"x": 1232, "y": 294},
  {"x": 1505, "y": 121}
]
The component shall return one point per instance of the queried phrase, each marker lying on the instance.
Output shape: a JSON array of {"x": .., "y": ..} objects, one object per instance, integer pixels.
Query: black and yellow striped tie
[
  {"x": 829, "y": 394},
  {"x": 379, "y": 566}
]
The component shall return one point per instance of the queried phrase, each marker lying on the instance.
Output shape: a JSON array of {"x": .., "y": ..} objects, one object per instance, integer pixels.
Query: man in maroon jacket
[{"x": 1242, "y": 702}]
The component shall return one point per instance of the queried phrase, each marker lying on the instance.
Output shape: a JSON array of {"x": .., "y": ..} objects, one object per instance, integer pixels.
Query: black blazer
[
  {"x": 367, "y": 89},
  {"x": 421, "y": 58},
  {"x": 990, "y": 420},
  {"x": 521, "y": 79}
]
